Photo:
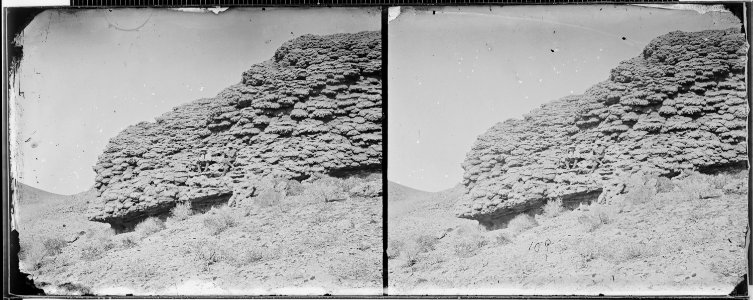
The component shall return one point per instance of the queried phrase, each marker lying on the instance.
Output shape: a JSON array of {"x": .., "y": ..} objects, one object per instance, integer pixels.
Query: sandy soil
[
  {"x": 673, "y": 242},
  {"x": 295, "y": 246}
]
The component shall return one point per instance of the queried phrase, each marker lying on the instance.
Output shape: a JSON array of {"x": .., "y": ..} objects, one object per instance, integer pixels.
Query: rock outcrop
[
  {"x": 681, "y": 105},
  {"x": 314, "y": 108}
]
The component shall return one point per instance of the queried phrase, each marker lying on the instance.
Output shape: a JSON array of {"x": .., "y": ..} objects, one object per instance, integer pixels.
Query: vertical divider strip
[{"x": 385, "y": 101}]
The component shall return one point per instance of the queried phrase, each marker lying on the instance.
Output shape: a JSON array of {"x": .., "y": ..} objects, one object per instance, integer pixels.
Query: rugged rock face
[
  {"x": 315, "y": 108},
  {"x": 681, "y": 105}
]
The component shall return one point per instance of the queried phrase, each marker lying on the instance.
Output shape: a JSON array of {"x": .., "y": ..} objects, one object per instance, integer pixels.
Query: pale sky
[
  {"x": 455, "y": 72},
  {"x": 88, "y": 74}
]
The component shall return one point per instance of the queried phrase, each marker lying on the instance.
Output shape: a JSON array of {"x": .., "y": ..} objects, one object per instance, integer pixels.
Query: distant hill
[
  {"x": 398, "y": 192},
  {"x": 28, "y": 194}
]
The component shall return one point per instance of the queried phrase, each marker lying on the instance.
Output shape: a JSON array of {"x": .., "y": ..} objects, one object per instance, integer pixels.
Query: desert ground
[
  {"x": 686, "y": 234},
  {"x": 292, "y": 244}
]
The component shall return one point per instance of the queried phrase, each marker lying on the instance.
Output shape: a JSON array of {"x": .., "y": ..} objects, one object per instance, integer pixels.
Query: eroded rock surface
[
  {"x": 314, "y": 108},
  {"x": 681, "y": 105}
]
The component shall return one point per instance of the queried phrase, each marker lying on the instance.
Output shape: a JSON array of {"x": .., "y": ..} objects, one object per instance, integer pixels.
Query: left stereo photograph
[{"x": 198, "y": 151}]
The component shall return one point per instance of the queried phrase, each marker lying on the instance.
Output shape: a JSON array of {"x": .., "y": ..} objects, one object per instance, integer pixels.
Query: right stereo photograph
[{"x": 596, "y": 149}]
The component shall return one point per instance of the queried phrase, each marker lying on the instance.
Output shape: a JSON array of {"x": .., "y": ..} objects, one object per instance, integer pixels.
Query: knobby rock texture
[
  {"x": 314, "y": 108},
  {"x": 681, "y": 105}
]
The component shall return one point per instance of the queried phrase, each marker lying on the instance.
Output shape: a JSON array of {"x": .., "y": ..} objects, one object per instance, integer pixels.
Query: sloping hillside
[
  {"x": 296, "y": 243},
  {"x": 398, "y": 192},
  {"x": 42, "y": 213},
  {"x": 32, "y": 195},
  {"x": 684, "y": 234}
]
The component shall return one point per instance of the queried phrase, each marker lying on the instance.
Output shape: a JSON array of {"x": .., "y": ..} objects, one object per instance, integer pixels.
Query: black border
[
  {"x": 385, "y": 101},
  {"x": 16, "y": 18},
  {"x": 14, "y": 23},
  {"x": 269, "y": 3},
  {"x": 749, "y": 15}
]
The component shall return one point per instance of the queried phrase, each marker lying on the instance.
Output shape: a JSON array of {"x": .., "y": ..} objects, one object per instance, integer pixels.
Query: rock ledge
[
  {"x": 314, "y": 108},
  {"x": 681, "y": 105}
]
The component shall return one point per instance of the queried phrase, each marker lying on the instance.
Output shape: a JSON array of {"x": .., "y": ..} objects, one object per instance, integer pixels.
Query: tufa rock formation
[
  {"x": 314, "y": 108},
  {"x": 681, "y": 105}
]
